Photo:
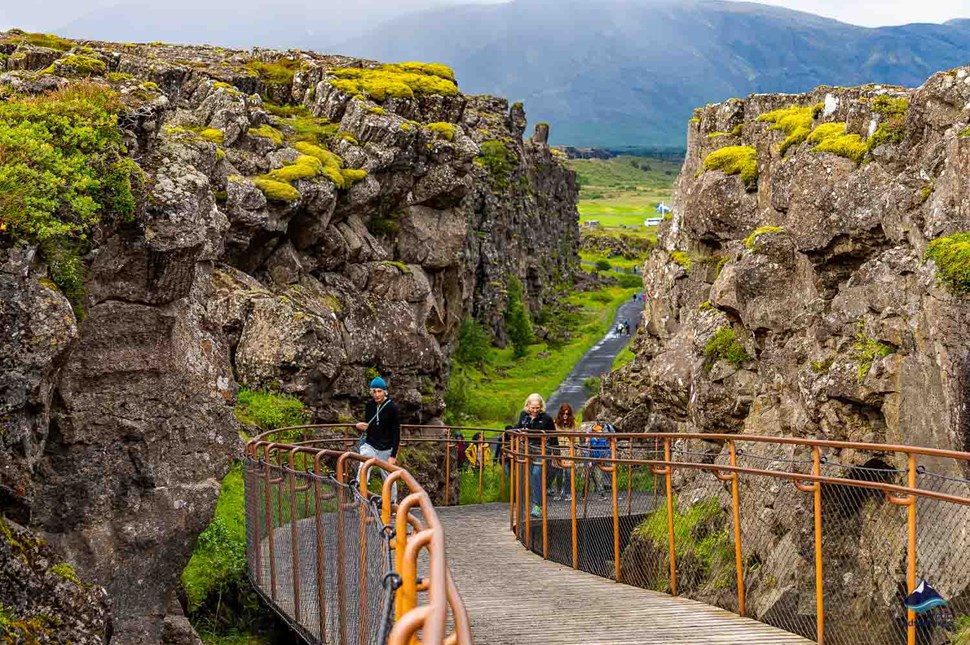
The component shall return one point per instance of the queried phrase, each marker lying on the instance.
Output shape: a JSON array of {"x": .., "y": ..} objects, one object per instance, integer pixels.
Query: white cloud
[{"x": 878, "y": 13}]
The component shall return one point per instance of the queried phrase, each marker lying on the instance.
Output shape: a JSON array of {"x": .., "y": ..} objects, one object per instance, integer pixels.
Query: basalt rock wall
[
  {"x": 291, "y": 233},
  {"x": 791, "y": 295}
]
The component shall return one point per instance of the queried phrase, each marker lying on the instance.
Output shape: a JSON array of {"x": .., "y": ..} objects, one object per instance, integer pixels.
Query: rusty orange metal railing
[
  {"x": 669, "y": 455},
  {"x": 333, "y": 558},
  {"x": 647, "y": 484}
]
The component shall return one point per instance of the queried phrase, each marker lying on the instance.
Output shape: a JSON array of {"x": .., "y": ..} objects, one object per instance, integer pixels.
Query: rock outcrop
[
  {"x": 792, "y": 295},
  {"x": 298, "y": 221}
]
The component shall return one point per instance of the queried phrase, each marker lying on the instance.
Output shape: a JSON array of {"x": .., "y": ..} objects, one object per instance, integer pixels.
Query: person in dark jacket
[
  {"x": 534, "y": 419},
  {"x": 383, "y": 428}
]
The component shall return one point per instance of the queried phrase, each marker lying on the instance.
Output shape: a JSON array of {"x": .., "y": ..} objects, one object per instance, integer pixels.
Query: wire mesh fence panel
[
  {"x": 942, "y": 548},
  {"x": 319, "y": 553}
]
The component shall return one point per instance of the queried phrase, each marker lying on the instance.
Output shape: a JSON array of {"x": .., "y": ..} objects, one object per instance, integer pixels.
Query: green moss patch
[
  {"x": 794, "y": 121},
  {"x": 267, "y": 132},
  {"x": 65, "y": 571},
  {"x": 952, "y": 257},
  {"x": 401, "y": 81},
  {"x": 751, "y": 241},
  {"x": 866, "y": 350},
  {"x": 892, "y": 122},
  {"x": 735, "y": 160},
  {"x": 495, "y": 158},
  {"x": 50, "y": 41},
  {"x": 212, "y": 134},
  {"x": 681, "y": 258},
  {"x": 303, "y": 167},
  {"x": 269, "y": 410},
  {"x": 724, "y": 346},
  {"x": 79, "y": 66},
  {"x": 850, "y": 146},
  {"x": 444, "y": 130},
  {"x": 277, "y": 191},
  {"x": 278, "y": 73}
]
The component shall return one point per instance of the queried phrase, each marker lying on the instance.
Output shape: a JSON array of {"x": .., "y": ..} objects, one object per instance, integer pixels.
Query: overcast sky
[{"x": 52, "y": 14}]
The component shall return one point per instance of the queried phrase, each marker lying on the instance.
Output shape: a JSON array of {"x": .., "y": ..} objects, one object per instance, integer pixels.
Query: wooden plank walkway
[{"x": 515, "y": 597}]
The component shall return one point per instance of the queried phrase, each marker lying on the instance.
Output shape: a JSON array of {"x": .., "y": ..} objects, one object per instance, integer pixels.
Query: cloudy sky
[{"x": 53, "y": 14}]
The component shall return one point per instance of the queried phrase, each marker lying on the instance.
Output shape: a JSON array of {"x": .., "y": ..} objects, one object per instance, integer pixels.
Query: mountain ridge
[{"x": 655, "y": 61}]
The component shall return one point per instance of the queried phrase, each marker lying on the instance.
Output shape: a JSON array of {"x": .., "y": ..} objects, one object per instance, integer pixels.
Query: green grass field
[
  {"x": 497, "y": 392},
  {"x": 623, "y": 191}
]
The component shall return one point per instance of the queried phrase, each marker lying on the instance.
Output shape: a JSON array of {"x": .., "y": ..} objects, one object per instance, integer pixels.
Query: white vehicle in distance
[{"x": 652, "y": 221}]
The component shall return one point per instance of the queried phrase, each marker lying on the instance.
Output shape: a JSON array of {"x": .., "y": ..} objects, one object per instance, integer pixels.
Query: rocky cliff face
[
  {"x": 792, "y": 294},
  {"x": 299, "y": 221}
]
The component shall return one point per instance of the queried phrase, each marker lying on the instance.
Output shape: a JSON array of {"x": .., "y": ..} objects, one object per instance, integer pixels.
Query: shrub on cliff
[
  {"x": 952, "y": 257},
  {"x": 517, "y": 322},
  {"x": 495, "y": 158},
  {"x": 62, "y": 171},
  {"x": 269, "y": 410},
  {"x": 735, "y": 160},
  {"x": 724, "y": 346}
]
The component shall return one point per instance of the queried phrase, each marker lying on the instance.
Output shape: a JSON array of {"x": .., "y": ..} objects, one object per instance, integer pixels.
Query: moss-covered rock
[{"x": 735, "y": 160}]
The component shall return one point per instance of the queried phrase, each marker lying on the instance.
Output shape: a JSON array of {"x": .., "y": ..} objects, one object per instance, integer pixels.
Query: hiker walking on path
[
  {"x": 534, "y": 419},
  {"x": 565, "y": 422},
  {"x": 383, "y": 428}
]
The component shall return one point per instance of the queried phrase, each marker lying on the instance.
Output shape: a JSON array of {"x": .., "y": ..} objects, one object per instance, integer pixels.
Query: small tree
[
  {"x": 473, "y": 343},
  {"x": 517, "y": 321}
]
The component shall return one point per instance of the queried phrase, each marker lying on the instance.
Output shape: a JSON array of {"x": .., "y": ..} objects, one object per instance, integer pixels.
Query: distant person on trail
[
  {"x": 626, "y": 326},
  {"x": 598, "y": 448},
  {"x": 476, "y": 451},
  {"x": 534, "y": 419},
  {"x": 383, "y": 428},
  {"x": 565, "y": 422}
]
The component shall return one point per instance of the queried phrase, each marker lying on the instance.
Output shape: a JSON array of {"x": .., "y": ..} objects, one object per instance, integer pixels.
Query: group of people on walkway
[
  {"x": 535, "y": 419},
  {"x": 382, "y": 439}
]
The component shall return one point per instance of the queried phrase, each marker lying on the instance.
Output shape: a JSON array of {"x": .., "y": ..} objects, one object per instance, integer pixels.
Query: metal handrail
[{"x": 412, "y": 536}]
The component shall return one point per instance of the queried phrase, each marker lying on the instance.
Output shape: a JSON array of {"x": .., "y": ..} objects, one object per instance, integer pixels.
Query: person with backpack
[
  {"x": 598, "y": 448},
  {"x": 383, "y": 428}
]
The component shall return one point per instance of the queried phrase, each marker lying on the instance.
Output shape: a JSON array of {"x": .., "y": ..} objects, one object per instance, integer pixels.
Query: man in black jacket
[{"x": 383, "y": 427}]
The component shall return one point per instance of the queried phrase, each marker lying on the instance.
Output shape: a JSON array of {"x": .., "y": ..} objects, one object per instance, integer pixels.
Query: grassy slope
[{"x": 499, "y": 390}]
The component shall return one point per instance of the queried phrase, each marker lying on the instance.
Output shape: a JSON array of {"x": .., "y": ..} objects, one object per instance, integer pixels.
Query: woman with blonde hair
[
  {"x": 565, "y": 422},
  {"x": 534, "y": 419}
]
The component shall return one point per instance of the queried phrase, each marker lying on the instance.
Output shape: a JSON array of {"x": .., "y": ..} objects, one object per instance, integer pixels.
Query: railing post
[
  {"x": 819, "y": 571},
  {"x": 670, "y": 518},
  {"x": 910, "y": 503},
  {"x": 321, "y": 550},
  {"x": 616, "y": 511},
  {"x": 270, "y": 533},
  {"x": 527, "y": 514},
  {"x": 481, "y": 464},
  {"x": 448, "y": 467},
  {"x": 545, "y": 531},
  {"x": 341, "y": 548},
  {"x": 911, "y": 551},
  {"x": 736, "y": 505},
  {"x": 501, "y": 460},
  {"x": 816, "y": 489},
  {"x": 294, "y": 542},
  {"x": 513, "y": 501},
  {"x": 572, "y": 500}
]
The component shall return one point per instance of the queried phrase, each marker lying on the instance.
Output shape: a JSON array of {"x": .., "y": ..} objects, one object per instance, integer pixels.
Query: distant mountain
[
  {"x": 240, "y": 23},
  {"x": 629, "y": 72}
]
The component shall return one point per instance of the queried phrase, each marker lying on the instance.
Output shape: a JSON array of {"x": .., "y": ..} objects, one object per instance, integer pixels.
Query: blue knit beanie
[{"x": 378, "y": 384}]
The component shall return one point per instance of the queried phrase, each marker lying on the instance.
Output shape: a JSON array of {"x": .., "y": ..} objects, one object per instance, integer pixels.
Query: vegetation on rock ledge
[
  {"x": 952, "y": 257},
  {"x": 399, "y": 81},
  {"x": 735, "y": 160},
  {"x": 724, "y": 346}
]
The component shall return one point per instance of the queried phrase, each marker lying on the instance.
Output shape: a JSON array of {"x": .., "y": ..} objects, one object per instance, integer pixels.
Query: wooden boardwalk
[{"x": 515, "y": 597}]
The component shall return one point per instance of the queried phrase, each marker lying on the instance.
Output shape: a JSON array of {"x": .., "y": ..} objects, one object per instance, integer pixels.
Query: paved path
[
  {"x": 597, "y": 361},
  {"x": 515, "y": 597}
]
